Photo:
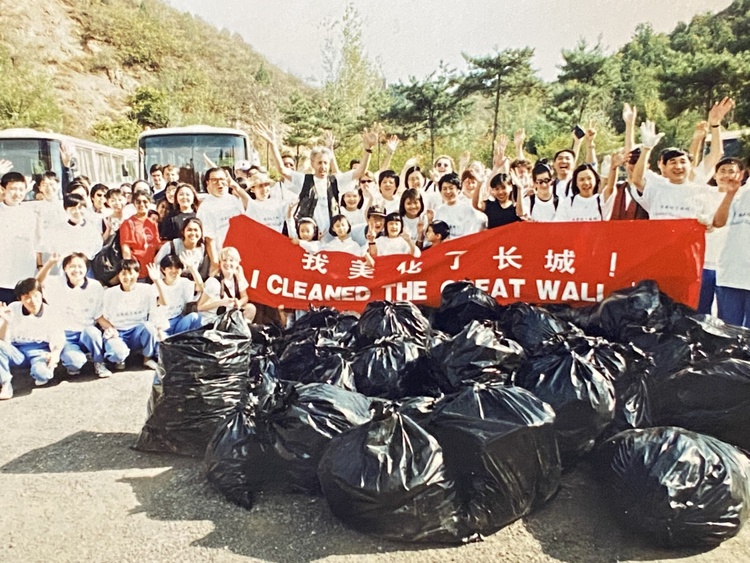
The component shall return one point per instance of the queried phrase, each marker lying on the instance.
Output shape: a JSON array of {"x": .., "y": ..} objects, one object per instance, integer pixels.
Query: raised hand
[
  {"x": 629, "y": 113},
  {"x": 392, "y": 144},
  {"x": 5, "y": 166},
  {"x": 701, "y": 130},
  {"x": 590, "y": 134},
  {"x": 618, "y": 159},
  {"x": 519, "y": 137},
  {"x": 154, "y": 273},
  {"x": 268, "y": 134},
  {"x": 370, "y": 138},
  {"x": 649, "y": 137},
  {"x": 719, "y": 111},
  {"x": 328, "y": 139}
]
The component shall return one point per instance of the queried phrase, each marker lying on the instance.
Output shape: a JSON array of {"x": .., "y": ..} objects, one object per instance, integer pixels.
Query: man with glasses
[{"x": 223, "y": 203}]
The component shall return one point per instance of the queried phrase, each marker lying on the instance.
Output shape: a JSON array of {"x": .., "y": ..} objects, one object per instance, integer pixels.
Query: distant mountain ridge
[{"x": 103, "y": 69}]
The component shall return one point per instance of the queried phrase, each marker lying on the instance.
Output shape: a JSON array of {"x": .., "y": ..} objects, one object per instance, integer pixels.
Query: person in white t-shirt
[
  {"x": 728, "y": 170},
  {"x": 537, "y": 203},
  {"x": 460, "y": 215},
  {"x": 586, "y": 203},
  {"x": 222, "y": 203},
  {"x": 75, "y": 233},
  {"x": 269, "y": 212},
  {"x": 178, "y": 292},
  {"x": 342, "y": 241},
  {"x": 79, "y": 302},
  {"x": 226, "y": 290},
  {"x": 19, "y": 235},
  {"x": 129, "y": 316},
  {"x": 396, "y": 240},
  {"x": 31, "y": 336},
  {"x": 307, "y": 235},
  {"x": 319, "y": 192},
  {"x": 733, "y": 265}
]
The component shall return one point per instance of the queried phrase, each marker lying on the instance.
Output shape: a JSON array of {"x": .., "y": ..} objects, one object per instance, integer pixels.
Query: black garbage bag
[
  {"x": 530, "y": 326},
  {"x": 386, "y": 478},
  {"x": 676, "y": 487},
  {"x": 205, "y": 375},
  {"x": 715, "y": 338},
  {"x": 711, "y": 398},
  {"x": 461, "y": 303},
  {"x": 500, "y": 449},
  {"x": 294, "y": 425},
  {"x": 479, "y": 353},
  {"x": 386, "y": 319},
  {"x": 227, "y": 454},
  {"x": 642, "y": 305},
  {"x": 390, "y": 368},
  {"x": 324, "y": 323},
  {"x": 419, "y": 408},
  {"x": 306, "y": 361},
  {"x": 574, "y": 376},
  {"x": 632, "y": 397}
]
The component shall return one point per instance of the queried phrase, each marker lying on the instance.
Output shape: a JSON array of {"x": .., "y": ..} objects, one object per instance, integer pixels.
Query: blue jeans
[
  {"x": 26, "y": 354},
  {"x": 141, "y": 338},
  {"x": 708, "y": 289},
  {"x": 180, "y": 324},
  {"x": 734, "y": 305},
  {"x": 78, "y": 344}
]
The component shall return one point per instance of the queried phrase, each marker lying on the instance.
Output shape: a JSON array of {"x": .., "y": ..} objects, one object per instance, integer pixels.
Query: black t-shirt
[{"x": 498, "y": 216}]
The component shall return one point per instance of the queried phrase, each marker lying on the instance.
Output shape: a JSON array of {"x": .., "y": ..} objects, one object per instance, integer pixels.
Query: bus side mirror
[{"x": 124, "y": 170}]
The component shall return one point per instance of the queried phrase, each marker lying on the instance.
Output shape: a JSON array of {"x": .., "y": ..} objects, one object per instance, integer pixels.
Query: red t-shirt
[{"x": 143, "y": 239}]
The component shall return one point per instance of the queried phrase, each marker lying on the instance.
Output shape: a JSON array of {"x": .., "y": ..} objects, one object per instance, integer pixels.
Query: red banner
[{"x": 540, "y": 263}]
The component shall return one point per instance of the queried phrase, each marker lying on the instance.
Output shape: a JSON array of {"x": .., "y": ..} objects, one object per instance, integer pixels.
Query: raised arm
[
  {"x": 628, "y": 116},
  {"x": 519, "y": 137},
  {"x": 617, "y": 160},
  {"x": 649, "y": 139},
  {"x": 715, "y": 117},
  {"x": 330, "y": 142},
  {"x": 590, "y": 140},
  {"x": 696, "y": 142},
  {"x": 390, "y": 148},
  {"x": 722, "y": 213},
  {"x": 51, "y": 262},
  {"x": 268, "y": 134},
  {"x": 369, "y": 138}
]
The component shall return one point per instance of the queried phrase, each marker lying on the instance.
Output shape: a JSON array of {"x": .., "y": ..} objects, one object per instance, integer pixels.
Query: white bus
[
  {"x": 33, "y": 153},
  {"x": 735, "y": 142},
  {"x": 190, "y": 149}
]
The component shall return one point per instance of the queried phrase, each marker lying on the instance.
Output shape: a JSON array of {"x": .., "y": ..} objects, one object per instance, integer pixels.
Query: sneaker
[
  {"x": 6, "y": 392},
  {"x": 40, "y": 382},
  {"x": 72, "y": 372},
  {"x": 119, "y": 366},
  {"x": 150, "y": 364},
  {"x": 101, "y": 370}
]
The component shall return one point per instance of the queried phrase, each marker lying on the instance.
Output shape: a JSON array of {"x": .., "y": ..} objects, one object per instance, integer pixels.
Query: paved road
[{"x": 72, "y": 489}]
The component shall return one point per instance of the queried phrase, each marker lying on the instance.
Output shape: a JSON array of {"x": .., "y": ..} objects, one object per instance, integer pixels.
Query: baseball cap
[{"x": 376, "y": 210}]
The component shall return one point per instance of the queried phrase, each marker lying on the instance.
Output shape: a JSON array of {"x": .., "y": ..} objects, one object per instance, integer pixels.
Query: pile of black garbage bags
[{"x": 446, "y": 425}]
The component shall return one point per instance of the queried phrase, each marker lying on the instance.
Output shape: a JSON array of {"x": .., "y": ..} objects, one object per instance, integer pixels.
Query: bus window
[
  {"x": 190, "y": 151},
  {"x": 86, "y": 163},
  {"x": 32, "y": 157}
]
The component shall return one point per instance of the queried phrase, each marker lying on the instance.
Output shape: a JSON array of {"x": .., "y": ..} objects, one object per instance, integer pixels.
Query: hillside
[{"x": 105, "y": 68}]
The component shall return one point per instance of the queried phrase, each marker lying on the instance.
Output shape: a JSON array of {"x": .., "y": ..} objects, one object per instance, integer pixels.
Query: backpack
[
  {"x": 532, "y": 201},
  {"x": 106, "y": 264}
]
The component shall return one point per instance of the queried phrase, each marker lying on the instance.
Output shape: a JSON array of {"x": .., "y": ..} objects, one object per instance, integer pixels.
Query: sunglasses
[{"x": 543, "y": 181}]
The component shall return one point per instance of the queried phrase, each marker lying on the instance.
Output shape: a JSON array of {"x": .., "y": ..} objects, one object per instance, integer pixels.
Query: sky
[{"x": 412, "y": 38}]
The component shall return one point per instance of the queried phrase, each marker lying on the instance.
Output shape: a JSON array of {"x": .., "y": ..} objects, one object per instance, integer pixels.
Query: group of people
[{"x": 176, "y": 274}]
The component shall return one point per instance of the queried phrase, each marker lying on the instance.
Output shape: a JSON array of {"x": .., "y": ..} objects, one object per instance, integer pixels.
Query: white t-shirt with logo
[
  {"x": 462, "y": 218},
  {"x": 127, "y": 309},
  {"x": 215, "y": 213},
  {"x": 665, "y": 200},
  {"x": 78, "y": 307},
  {"x": 580, "y": 208},
  {"x": 733, "y": 267},
  {"x": 269, "y": 212}
]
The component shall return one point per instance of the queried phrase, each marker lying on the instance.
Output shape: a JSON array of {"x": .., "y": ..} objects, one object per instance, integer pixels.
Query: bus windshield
[
  {"x": 190, "y": 152},
  {"x": 32, "y": 157}
]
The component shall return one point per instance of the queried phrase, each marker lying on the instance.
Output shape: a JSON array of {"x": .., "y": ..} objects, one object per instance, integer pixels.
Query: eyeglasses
[
  {"x": 141, "y": 202},
  {"x": 217, "y": 179},
  {"x": 543, "y": 181},
  {"x": 365, "y": 181}
]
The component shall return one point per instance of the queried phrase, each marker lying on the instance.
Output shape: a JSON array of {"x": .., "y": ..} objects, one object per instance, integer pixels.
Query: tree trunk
[{"x": 494, "y": 118}]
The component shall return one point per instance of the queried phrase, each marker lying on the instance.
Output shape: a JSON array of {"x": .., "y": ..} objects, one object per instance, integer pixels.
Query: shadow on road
[
  {"x": 88, "y": 451},
  {"x": 578, "y": 526},
  {"x": 280, "y": 527}
]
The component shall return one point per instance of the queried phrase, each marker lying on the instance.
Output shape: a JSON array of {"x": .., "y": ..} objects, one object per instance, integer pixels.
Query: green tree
[
  {"x": 121, "y": 133},
  {"x": 507, "y": 73},
  {"x": 430, "y": 105},
  {"x": 300, "y": 115},
  {"x": 585, "y": 84},
  {"x": 150, "y": 107},
  {"x": 26, "y": 98}
]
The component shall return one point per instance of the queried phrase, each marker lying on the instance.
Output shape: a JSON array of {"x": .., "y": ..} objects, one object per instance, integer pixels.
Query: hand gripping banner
[{"x": 576, "y": 263}]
